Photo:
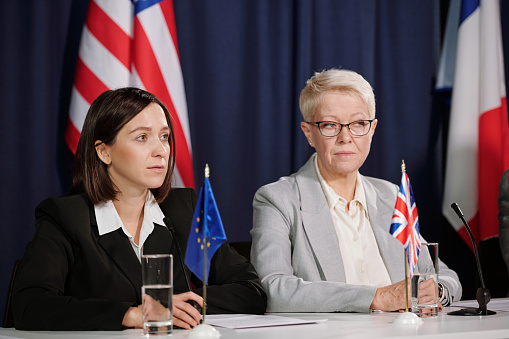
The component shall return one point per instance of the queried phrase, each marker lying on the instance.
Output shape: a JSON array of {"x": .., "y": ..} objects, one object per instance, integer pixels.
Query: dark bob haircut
[{"x": 105, "y": 118}]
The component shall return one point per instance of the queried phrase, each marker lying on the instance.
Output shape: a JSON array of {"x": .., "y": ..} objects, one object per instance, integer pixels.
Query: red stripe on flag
[
  {"x": 111, "y": 36},
  {"x": 169, "y": 16},
  {"x": 149, "y": 72},
  {"x": 87, "y": 83},
  {"x": 72, "y": 136},
  {"x": 493, "y": 160}
]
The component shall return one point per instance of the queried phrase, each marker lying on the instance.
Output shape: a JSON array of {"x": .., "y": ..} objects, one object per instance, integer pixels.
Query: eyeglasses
[{"x": 331, "y": 129}]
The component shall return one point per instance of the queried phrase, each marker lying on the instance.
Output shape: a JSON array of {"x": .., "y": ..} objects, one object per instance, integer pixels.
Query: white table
[{"x": 338, "y": 325}]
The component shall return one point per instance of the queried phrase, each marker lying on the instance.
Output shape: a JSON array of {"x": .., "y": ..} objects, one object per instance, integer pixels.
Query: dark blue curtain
[{"x": 244, "y": 64}]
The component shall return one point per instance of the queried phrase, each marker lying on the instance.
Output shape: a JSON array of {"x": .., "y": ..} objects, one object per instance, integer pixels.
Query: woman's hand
[
  {"x": 392, "y": 297},
  {"x": 133, "y": 317},
  {"x": 184, "y": 314},
  {"x": 427, "y": 295},
  {"x": 427, "y": 292}
]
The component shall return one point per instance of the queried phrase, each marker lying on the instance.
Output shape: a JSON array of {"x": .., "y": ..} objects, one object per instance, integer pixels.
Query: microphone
[
  {"x": 168, "y": 223},
  {"x": 483, "y": 294}
]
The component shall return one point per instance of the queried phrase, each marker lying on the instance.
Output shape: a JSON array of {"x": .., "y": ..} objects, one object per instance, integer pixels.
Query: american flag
[
  {"x": 405, "y": 222},
  {"x": 132, "y": 43}
]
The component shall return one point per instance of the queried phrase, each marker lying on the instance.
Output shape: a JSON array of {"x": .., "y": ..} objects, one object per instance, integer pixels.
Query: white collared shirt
[
  {"x": 359, "y": 250},
  {"x": 108, "y": 221}
]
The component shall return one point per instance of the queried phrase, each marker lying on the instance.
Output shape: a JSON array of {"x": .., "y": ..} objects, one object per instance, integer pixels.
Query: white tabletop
[{"x": 344, "y": 325}]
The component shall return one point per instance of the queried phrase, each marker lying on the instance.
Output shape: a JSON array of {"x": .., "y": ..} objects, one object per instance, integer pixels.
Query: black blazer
[{"x": 70, "y": 278}]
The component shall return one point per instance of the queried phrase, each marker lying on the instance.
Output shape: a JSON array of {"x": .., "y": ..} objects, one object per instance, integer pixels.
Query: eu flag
[{"x": 207, "y": 225}]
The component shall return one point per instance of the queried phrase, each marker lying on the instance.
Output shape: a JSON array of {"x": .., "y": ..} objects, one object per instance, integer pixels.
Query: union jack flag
[
  {"x": 405, "y": 222},
  {"x": 132, "y": 43}
]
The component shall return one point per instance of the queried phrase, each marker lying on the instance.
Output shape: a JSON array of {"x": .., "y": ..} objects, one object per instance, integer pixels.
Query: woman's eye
[
  {"x": 329, "y": 125},
  {"x": 165, "y": 137},
  {"x": 142, "y": 137}
]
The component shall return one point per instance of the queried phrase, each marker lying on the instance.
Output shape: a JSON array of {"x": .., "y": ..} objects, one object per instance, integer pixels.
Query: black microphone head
[
  {"x": 168, "y": 223},
  {"x": 456, "y": 209}
]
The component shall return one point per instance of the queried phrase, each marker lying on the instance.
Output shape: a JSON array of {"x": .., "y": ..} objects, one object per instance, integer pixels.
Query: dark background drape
[{"x": 244, "y": 64}]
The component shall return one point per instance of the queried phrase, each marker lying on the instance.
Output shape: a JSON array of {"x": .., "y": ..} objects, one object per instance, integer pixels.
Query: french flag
[
  {"x": 478, "y": 139},
  {"x": 132, "y": 43}
]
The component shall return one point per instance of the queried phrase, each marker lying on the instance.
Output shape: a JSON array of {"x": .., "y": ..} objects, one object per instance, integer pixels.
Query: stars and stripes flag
[
  {"x": 132, "y": 43},
  {"x": 478, "y": 139},
  {"x": 405, "y": 222}
]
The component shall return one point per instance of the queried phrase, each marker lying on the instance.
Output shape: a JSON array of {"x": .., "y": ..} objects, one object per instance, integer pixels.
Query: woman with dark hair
[{"x": 82, "y": 270}]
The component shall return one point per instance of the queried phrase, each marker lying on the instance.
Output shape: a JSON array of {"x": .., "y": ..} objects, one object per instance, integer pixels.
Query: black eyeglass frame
[{"x": 317, "y": 123}]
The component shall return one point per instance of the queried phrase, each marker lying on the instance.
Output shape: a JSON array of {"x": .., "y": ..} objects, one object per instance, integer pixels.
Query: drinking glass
[
  {"x": 424, "y": 282},
  {"x": 157, "y": 293}
]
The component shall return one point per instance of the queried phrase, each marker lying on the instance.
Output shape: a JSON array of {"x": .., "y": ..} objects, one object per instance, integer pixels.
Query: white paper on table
[
  {"x": 238, "y": 321},
  {"x": 494, "y": 304}
]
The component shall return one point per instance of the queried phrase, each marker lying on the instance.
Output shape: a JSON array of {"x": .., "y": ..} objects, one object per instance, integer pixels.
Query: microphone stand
[
  {"x": 169, "y": 225},
  {"x": 483, "y": 294}
]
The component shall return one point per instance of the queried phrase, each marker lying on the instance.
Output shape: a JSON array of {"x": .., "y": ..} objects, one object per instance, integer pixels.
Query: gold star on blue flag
[{"x": 206, "y": 230}]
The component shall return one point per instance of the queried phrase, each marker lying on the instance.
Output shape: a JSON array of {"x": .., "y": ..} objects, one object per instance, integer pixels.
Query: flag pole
[
  {"x": 403, "y": 170},
  {"x": 203, "y": 330},
  {"x": 207, "y": 174},
  {"x": 407, "y": 317},
  {"x": 406, "y": 282}
]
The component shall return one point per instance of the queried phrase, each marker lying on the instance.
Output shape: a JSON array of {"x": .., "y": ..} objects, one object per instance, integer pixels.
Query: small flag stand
[
  {"x": 407, "y": 317},
  {"x": 206, "y": 212}
]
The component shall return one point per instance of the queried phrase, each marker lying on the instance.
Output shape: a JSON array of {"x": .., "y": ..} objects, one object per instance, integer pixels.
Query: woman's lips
[
  {"x": 158, "y": 169},
  {"x": 344, "y": 154}
]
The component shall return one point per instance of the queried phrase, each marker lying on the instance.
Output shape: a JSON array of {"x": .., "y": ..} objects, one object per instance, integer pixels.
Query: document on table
[
  {"x": 494, "y": 305},
  {"x": 239, "y": 321}
]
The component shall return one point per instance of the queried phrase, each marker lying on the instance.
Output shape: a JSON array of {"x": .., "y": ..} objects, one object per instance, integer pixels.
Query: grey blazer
[{"x": 296, "y": 253}]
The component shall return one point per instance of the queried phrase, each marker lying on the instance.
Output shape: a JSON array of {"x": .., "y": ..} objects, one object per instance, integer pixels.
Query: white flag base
[
  {"x": 204, "y": 331},
  {"x": 407, "y": 318}
]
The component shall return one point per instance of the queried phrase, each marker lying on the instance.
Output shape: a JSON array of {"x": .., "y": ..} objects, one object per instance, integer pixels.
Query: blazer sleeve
[
  {"x": 39, "y": 293},
  {"x": 234, "y": 286}
]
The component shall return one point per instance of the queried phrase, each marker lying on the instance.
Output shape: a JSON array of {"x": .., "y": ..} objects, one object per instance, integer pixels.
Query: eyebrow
[
  {"x": 144, "y": 128},
  {"x": 356, "y": 116}
]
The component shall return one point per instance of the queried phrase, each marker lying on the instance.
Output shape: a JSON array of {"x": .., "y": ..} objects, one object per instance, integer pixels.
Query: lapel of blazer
[
  {"x": 117, "y": 245},
  {"x": 380, "y": 215},
  {"x": 120, "y": 250},
  {"x": 159, "y": 241},
  {"x": 318, "y": 224}
]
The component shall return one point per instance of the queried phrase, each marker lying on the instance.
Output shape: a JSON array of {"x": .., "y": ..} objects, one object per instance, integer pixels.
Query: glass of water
[
  {"x": 157, "y": 293},
  {"x": 424, "y": 283}
]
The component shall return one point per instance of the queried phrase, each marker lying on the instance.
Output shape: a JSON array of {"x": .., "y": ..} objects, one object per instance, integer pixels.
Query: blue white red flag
[
  {"x": 132, "y": 43},
  {"x": 405, "y": 222},
  {"x": 206, "y": 232},
  {"x": 478, "y": 138}
]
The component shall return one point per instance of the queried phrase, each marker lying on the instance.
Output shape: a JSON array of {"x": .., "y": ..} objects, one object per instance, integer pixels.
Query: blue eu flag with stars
[{"x": 206, "y": 225}]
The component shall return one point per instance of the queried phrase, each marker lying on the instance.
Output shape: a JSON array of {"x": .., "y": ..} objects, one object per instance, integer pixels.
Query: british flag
[{"x": 405, "y": 222}]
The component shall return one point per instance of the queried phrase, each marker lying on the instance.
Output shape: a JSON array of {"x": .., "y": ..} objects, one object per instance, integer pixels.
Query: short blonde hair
[{"x": 334, "y": 80}]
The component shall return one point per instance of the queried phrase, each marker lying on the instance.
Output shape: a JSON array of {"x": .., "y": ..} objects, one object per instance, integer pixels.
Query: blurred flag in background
[
  {"x": 478, "y": 139},
  {"x": 132, "y": 43}
]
